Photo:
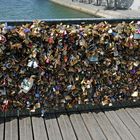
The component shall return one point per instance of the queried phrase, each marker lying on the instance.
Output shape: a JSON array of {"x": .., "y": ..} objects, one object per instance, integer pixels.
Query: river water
[{"x": 36, "y": 9}]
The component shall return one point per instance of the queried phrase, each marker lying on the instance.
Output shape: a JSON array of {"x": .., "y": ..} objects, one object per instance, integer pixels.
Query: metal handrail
[{"x": 72, "y": 20}]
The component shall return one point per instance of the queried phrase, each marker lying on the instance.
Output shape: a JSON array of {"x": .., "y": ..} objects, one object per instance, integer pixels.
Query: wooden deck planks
[
  {"x": 129, "y": 122},
  {"x": 106, "y": 126},
  {"x": 11, "y": 129},
  {"x": 1, "y": 128},
  {"x": 122, "y": 130},
  {"x": 52, "y": 127},
  {"x": 66, "y": 127},
  {"x": 93, "y": 126},
  {"x": 134, "y": 114},
  {"x": 121, "y": 124},
  {"x": 79, "y": 127},
  {"x": 25, "y": 129},
  {"x": 138, "y": 109},
  {"x": 39, "y": 129}
]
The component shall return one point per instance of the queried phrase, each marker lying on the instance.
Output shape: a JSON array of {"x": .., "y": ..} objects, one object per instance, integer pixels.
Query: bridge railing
[{"x": 69, "y": 63}]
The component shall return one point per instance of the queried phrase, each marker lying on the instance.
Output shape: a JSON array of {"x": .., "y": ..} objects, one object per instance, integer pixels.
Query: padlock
[{"x": 2, "y": 39}]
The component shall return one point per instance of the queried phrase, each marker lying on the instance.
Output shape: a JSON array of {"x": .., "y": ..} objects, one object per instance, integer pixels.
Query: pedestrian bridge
[{"x": 110, "y": 118}]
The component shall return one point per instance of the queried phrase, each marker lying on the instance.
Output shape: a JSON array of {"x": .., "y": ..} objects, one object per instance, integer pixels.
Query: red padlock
[{"x": 5, "y": 105}]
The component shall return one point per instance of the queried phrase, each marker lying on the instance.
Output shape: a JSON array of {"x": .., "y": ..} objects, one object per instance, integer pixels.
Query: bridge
[{"x": 113, "y": 114}]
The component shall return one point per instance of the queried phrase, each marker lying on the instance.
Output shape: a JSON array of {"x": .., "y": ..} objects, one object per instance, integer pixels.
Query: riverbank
[{"x": 98, "y": 11}]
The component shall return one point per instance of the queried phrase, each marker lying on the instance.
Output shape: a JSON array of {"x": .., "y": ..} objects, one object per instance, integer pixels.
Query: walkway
[
  {"x": 99, "y": 10},
  {"x": 120, "y": 124}
]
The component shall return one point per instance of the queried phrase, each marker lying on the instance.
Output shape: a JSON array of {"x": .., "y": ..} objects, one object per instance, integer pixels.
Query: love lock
[
  {"x": 32, "y": 63},
  {"x": 2, "y": 39}
]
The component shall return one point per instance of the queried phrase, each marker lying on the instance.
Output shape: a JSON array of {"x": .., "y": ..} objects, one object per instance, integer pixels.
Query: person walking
[
  {"x": 98, "y": 2},
  {"x": 89, "y": 1},
  {"x": 115, "y": 4},
  {"x": 109, "y": 2}
]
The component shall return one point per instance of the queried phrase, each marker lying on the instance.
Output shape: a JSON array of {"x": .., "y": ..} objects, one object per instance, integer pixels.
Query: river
[{"x": 36, "y": 9}]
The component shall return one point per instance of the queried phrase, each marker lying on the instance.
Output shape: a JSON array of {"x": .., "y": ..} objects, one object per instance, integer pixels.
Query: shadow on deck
[{"x": 86, "y": 123}]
